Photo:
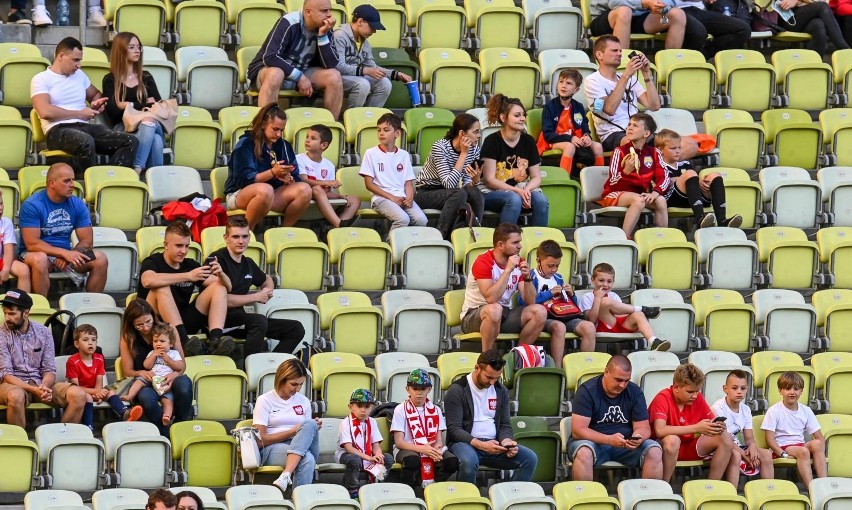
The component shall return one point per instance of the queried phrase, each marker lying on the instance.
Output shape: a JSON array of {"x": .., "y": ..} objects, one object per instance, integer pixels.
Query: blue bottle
[{"x": 62, "y": 13}]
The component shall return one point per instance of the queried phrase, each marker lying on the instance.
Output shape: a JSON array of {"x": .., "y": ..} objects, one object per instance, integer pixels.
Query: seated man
[
  {"x": 28, "y": 367},
  {"x": 622, "y": 18},
  {"x": 47, "y": 219},
  {"x": 59, "y": 96},
  {"x": 167, "y": 281}
]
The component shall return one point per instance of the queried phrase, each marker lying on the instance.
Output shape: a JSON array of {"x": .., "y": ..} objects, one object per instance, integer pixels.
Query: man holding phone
[{"x": 479, "y": 431}]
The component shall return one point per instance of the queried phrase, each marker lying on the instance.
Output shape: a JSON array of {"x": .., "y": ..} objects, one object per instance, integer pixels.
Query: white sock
[
  {"x": 38, "y": 3},
  {"x": 94, "y": 5},
  {"x": 637, "y": 308}
]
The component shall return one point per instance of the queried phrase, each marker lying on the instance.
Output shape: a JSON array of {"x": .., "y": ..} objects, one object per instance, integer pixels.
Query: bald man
[
  {"x": 47, "y": 219},
  {"x": 298, "y": 54}
]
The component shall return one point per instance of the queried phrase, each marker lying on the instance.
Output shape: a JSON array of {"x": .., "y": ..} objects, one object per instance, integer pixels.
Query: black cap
[
  {"x": 17, "y": 297},
  {"x": 369, "y": 14}
]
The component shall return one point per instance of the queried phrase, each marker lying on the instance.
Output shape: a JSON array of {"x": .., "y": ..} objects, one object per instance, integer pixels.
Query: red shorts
[
  {"x": 618, "y": 327},
  {"x": 689, "y": 450},
  {"x": 611, "y": 199},
  {"x": 784, "y": 448}
]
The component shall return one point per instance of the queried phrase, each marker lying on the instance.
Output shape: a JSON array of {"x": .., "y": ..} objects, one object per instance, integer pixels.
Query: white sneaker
[
  {"x": 283, "y": 481},
  {"x": 96, "y": 18},
  {"x": 41, "y": 18}
]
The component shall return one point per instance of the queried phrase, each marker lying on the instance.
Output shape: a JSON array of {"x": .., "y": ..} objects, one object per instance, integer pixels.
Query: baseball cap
[
  {"x": 369, "y": 14},
  {"x": 17, "y": 297},
  {"x": 419, "y": 378},
  {"x": 362, "y": 396}
]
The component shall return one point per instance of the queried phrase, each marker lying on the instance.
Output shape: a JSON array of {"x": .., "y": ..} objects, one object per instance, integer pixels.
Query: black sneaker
[
  {"x": 660, "y": 345},
  {"x": 734, "y": 221},
  {"x": 224, "y": 347},
  {"x": 651, "y": 312},
  {"x": 20, "y": 17},
  {"x": 192, "y": 347},
  {"x": 709, "y": 220}
]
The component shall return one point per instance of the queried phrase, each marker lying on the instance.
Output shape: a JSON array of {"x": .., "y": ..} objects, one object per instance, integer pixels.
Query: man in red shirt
[{"x": 684, "y": 425}]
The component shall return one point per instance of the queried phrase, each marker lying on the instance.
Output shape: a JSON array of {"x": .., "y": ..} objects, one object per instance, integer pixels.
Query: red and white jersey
[
  {"x": 279, "y": 415},
  {"x": 389, "y": 170},
  {"x": 485, "y": 267},
  {"x": 315, "y": 171}
]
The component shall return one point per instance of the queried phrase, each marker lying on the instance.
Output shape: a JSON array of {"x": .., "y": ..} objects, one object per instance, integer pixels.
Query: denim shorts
[{"x": 605, "y": 453}]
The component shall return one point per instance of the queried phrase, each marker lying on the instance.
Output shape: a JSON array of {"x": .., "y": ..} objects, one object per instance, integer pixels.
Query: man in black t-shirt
[
  {"x": 167, "y": 281},
  {"x": 610, "y": 423},
  {"x": 244, "y": 273}
]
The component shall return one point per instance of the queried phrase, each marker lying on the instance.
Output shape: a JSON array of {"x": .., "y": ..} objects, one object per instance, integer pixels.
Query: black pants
[
  {"x": 449, "y": 201},
  {"x": 258, "y": 327},
  {"x": 729, "y": 33},
  {"x": 411, "y": 467},
  {"x": 85, "y": 141},
  {"x": 355, "y": 476},
  {"x": 845, "y": 23},
  {"x": 817, "y": 20}
]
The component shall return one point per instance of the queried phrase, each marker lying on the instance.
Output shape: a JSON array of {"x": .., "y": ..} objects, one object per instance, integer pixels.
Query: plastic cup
[{"x": 414, "y": 92}]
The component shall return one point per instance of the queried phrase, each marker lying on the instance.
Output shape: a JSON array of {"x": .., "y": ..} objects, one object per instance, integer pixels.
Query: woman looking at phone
[
  {"x": 451, "y": 173},
  {"x": 263, "y": 175}
]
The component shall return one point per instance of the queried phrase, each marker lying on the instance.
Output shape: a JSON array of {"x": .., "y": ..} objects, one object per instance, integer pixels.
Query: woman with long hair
[
  {"x": 126, "y": 84},
  {"x": 510, "y": 170},
  {"x": 188, "y": 500},
  {"x": 451, "y": 173},
  {"x": 263, "y": 174}
]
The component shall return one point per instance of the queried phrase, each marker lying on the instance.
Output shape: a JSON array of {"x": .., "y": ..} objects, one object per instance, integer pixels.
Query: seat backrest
[
  {"x": 238, "y": 496},
  {"x": 716, "y": 119},
  {"x": 656, "y": 297},
  {"x": 783, "y": 60},
  {"x": 39, "y": 500},
  {"x": 312, "y": 495},
  {"x": 705, "y": 300},
  {"x": 578, "y": 363},
  {"x": 435, "y": 494},
  {"x": 233, "y": 117},
  {"x": 393, "y": 299},
  {"x": 503, "y": 495},
  {"x": 774, "y": 176},
  {"x": 432, "y": 58},
  {"x": 373, "y": 495},
  {"x": 107, "y": 499},
  {"x": 338, "y": 238},
  {"x": 763, "y": 362},
  {"x": 707, "y": 238},
  {"x": 453, "y": 364},
  {"x": 824, "y": 362},
  {"x": 679, "y": 120},
  {"x": 774, "y": 120},
  {"x": 77, "y": 300},
  {"x": 765, "y": 300},
  {"x": 188, "y": 55},
  {"x": 117, "y": 433},
  {"x": 728, "y": 60},
  {"x": 706, "y": 360},
  {"x": 651, "y": 360},
  {"x": 768, "y": 238},
  {"x": 592, "y": 179},
  {"x": 630, "y": 492},
  {"x": 402, "y": 238},
  {"x": 694, "y": 490},
  {"x": 831, "y": 177},
  {"x": 587, "y": 237},
  {"x": 263, "y": 362},
  {"x": 181, "y": 432},
  {"x": 166, "y": 183},
  {"x": 760, "y": 492},
  {"x": 387, "y": 363},
  {"x": 566, "y": 492},
  {"x": 51, "y": 434},
  {"x": 825, "y": 300},
  {"x": 834, "y": 489},
  {"x": 325, "y": 362}
]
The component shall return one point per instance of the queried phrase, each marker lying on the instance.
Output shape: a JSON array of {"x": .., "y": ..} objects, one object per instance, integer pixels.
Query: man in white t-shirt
[
  {"x": 59, "y": 96},
  {"x": 479, "y": 430}
]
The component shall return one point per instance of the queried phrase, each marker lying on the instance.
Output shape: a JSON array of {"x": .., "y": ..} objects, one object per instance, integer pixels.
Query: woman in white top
[{"x": 290, "y": 437}]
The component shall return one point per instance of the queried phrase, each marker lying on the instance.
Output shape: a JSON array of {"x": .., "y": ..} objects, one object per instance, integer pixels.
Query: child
[
  {"x": 360, "y": 443},
  {"x": 564, "y": 125},
  {"x": 550, "y": 285},
  {"x": 320, "y": 176},
  {"x": 785, "y": 425},
  {"x": 389, "y": 177},
  {"x": 8, "y": 262},
  {"x": 752, "y": 460},
  {"x": 689, "y": 190},
  {"x": 87, "y": 370},
  {"x": 417, "y": 434},
  {"x": 162, "y": 361},
  {"x": 605, "y": 309},
  {"x": 684, "y": 425},
  {"x": 633, "y": 169}
]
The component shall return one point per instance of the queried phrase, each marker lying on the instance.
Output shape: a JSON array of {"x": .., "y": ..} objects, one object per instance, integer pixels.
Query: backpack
[{"x": 62, "y": 331}]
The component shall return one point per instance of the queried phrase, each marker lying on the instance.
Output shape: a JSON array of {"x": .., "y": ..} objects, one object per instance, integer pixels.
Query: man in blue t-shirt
[
  {"x": 47, "y": 219},
  {"x": 610, "y": 424}
]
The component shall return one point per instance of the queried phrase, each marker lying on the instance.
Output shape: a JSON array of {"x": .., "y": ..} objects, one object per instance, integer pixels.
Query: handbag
[
  {"x": 562, "y": 308},
  {"x": 164, "y": 111},
  {"x": 247, "y": 438}
]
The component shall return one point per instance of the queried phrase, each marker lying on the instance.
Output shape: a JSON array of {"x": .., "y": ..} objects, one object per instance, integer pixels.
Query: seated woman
[
  {"x": 282, "y": 416},
  {"x": 451, "y": 173},
  {"x": 137, "y": 87},
  {"x": 814, "y": 17},
  {"x": 263, "y": 174},
  {"x": 136, "y": 342}
]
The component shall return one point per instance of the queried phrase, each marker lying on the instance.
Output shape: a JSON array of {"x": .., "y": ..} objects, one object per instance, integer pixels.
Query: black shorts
[
  {"x": 193, "y": 320},
  {"x": 600, "y": 24},
  {"x": 678, "y": 199}
]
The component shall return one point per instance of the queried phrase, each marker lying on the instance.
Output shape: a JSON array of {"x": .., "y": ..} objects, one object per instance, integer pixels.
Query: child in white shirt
[
  {"x": 162, "y": 361},
  {"x": 360, "y": 444}
]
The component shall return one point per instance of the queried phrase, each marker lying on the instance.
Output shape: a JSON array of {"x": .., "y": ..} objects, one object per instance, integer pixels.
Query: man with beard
[{"x": 28, "y": 367}]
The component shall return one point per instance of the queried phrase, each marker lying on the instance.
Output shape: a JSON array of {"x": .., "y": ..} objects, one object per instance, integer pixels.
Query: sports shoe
[
  {"x": 660, "y": 345},
  {"x": 19, "y": 17},
  {"x": 192, "y": 347},
  {"x": 41, "y": 18},
  {"x": 734, "y": 221},
  {"x": 133, "y": 413},
  {"x": 283, "y": 481},
  {"x": 224, "y": 347},
  {"x": 96, "y": 18},
  {"x": 651, "y": 312},
  {"x": 709, "y": 220}
]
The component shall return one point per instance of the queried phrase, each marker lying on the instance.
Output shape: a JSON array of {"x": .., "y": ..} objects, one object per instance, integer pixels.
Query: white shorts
[{"x": 231, "y": 200}]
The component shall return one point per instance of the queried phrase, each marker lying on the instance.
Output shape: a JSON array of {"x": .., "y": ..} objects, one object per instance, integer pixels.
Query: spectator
[
  {"x": 510, "y": 169},
  {"x": 28, "y": 366},
  {"x": 359, "y": 444},
  {"x": 842, "y": 10},
  {"x": 137, "y": 342},
  {"x": 263, "y": 174},
  {"x": 451, "y": 175},
  {"x": 59, "y": 96},
  {"x": 610, "y": 423},
  {"x": 622, "y": 18},
  {"x": 188, "y": 500},
  {"x": 41, "y": 18},
  {"x": 161, "y": 499},
  {"x": 47, "y": 220},
  {"x": 393, "y": 190},
  {"x": 817, "y": 19},
  {"x": 135, "y": 87},
  {"x": 167, "y": 281},
  {"x": 163, "y": 360},
  {"x": 9, "y": 264},
  {"x": 494, "y": 277},
  {"x": 364, "y": 83},
  {"x": 565, "y": 127},
  {"x": 478, "y": 426},
  {"x": 290, "y": 437},
  {"x": 684, "y": 425},
  {"x": 285, "y": 61},
  {"x": 729, "y": 32},
  {"x": 244, "y": 273}
]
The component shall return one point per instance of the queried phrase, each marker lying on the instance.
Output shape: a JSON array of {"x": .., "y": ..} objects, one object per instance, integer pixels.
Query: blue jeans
[
  {"x": 151, "y": 142},
  {"x": 150, "y": 402},
  {"x": 524, "y": 463},
  {"x": 508, "y": 204},
  {"x": 305, "y": 444},
  {"x": 604, "y": 453}
]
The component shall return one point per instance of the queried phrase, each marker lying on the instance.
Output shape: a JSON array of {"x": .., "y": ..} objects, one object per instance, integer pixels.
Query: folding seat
[
  {"x": 803, "y": 80},
  {"x": 596, "y": 244},
  {"x": 122, "y": 256},
  {"x": 560, "y": 188},
  {"x": 256, "y": 497},
  {"x": 723, "y": 321},
  {"x": 260, "y": 373},
  {"x": 580, "y": 367},
  {"x": 212, "y": 239},
  {"x": 553, "y": 61},
  {"x": 644, "y": 494},
  {"x": 359, "y": 260},
  {"x": 352, "y": 324},
  {"x": 136, "y": 455},
  {"x": 118, "y": 198},
  {"x": 71, "y": 458},
  {"x": 768, "y": 366},
  {"x": 392, "y": 369},
  {"x": 784, "y": 322},
  {"x": 398, "y": 59},
  {"x": 745, "y": 80},
  {"x": 236, "y": 120},
  {"x": 16, "y": 135},
  {"x": 145, "y": 18},
  {"x": 653, "y": 371},
  {"x": 352, "y": 183},
  {"x": 422, "y": 259},
  {"x": 323, "y": 496},
  {"x": 791, "y": 138},
  {"x": 299, "y": 120},
  {"x": 841, "y": 65},
  {"x": 686, "y": 80},
  {"x": 119, "y": 499},
  {"x": 218, "y": 387},
  {"x": 203, "y": 454},
  {"x": 453, "y": 301},
  {"x": 218, "y": 177},
  {"x": 171, "y": 182},
  {"x": 19, "y": 62},
  {"x": 289, "y": 247},
  {"x": 716, "y": 366},
  {"x": 791, "y": 198},
  {"x": 836, "y": 184},
  {"x": 592, "y": 179},
  {"x": 389, "y": 496},
  {"x": 446, "y": 495},
  {"x": 253, "y": 19},
  {"x": 833, "y": 243},
  {"x": 712, "y": 495},
  {"x": 494, "y": 24},
  {"x": 532, "y": 237},
  {"x": 466, "y": 249},
  {"x": 739, "y": 140},
  {"x": 834, "y": 318},
  {"x": 158, "y": 64},
  {"x": 533, "y": 433},
  {"x": 788, "y": 260},
  {"x": 335, "y": 376},
  {"x": 425, "y": 127},
  {"x": 244, "y": 57},
  {"x": 17, "y": 450},
  {"x": 536, "y": 391},
  {"x": 830, "y": 493},
  {"x": 661, "y": 250},
  {"x": 742, "y": 195},
  {"x": 200, "y": 23},
  {"x": 726, "y": 258},
  {"x": 32, "y": 179},
  {"x": 832, "y": 368},
  {"x": 837, "y": 430},
  {"x": 149, "y": 240},
  {"x": 360, "y": 124},
  {"x": 208, "y": 497},
  {"x": 553, "y": 24},
  {"x": 413, "y": 322},
  {"x": 100, "y": 311},
  {"x": 676, "y": 322},
  {"x": 575, "y": 495},
  {"x": 836, "y": 125},
  {"x": 293, "y": 304},
  {"x": 393, "y": 18},
  {"x": 452, "y": 365},
  {"x": 774, "y": 494},
  {"x": 95, "y": 65},
  {"x": 449, "y": 79},
  {"x": 510, "y": 72},
  {"x": 206, "y": 77},
  {"x": 435, "y": 23},
  {"x": 45, "y": 155},
  {"x": 196, "y": 139},
  {"x": 44, "y": 499},
  {"x": 11, "y": 198}
]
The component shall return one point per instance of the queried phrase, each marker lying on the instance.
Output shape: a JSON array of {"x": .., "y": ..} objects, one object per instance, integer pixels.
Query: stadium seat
[
  {"x": 447, "y": 495},
  {"x": 205, "y": 75},
  {"x": 676, "y": 322},
  {"x": 260, "y": 373},
  {"x": 726, "y": 258},
  {"x": 328, "y": 444},
  {"x": 560, "y": 189},
  {"x": 833, "y": 243},
  {"x": 16, "y": 135},
  {"x": 397, "y": 59},
  {"x": 352, "y": 324},
  {"x": 244, "y": 57},
  {"x": 774, "y": 494},
  {"x": 553, "y": 24},
  {"x": 359, "y": 260},
  {"x": 57, "y": 498},
  {"x": 352, "y": 183},
  {"x": 145, "y": 18},
  {"x": 253, "y": 19},
  {"x": 465, "y": 249},
  {"x": 788, "y": 260},
  {"x": 32, "y": 179},
  {"x": 251, "y": 473},
  {"x": 413, "y": 322},
  {"x": 535, "y": 391},
  {"x": 200, "y": 23},
  {"x": 837, "y": 430},
  {"x": 716, "y": 366},
  {"x": 256, "y": 497},
  {"x": 425, "y": 127},
  {"x": 509, "y": 71},
  {"x": 422, "y": 259},
  {"x": 592, "y": 179},
  {"x": 596, "y": 244},
  {"x": 803, "y": 80},
  {"x": 532, "y": 237},
  {"x": 791, "y": 198},
  {"x": 393, "y": 18},
  {"x": 171, "y": 182},
  {"x": 739, "y": 140},
  {"x": 580, "y": 367},
  {"x": 335, "y": 376},
  {"x": 389, "y": 496},
  {"x": 236, "y": 120},
  {"x": 212, "y": 239},
  {"x": 784, "y": 322},
  {"x": 95, "y": 65},
  {"x": 435, "y": 23},
  {"x": 449, "y": 79},
  {"x": 494, "y": 24},
  {"x": 653, "y": 371},
  {"x": 136, "y": 455},
  {"x": 723, "y": 321},
  {"x": 643, "y": 494},
  {"x": 43, "y": 156},
  {"x": 288, "y": 247},
  {"x": 742, "y": 195},
  {"x": 161, "y": 68},
  {"x": 832, "y": 368},
  {"x": 533, "y": 433},
  {"x": 100, "y": 311},
  {"x": 293, "y": 304},
  {"x": 836, "y": 125},
  {"x": 71, "y": 457},
  {"x": 299, "y": 120},
  {"x": 712, "y": 495},
  {"x": 791, "y": 138},
  {"x": 830, "y": 493},
  {"x": 686, "y": 80},
  {"x": 836, "y": 183},
  {"x": 323, "y": 496},
  {"x": 119, "y": 499},
  {"x": 11, "y": 197},
  {"x": 768, "y": 366},
  {"x": 360, "y": 130},
  {"x": 576, "y": 495},
  {"x": 149, "y": 240},
  {"x": 661, "y": 250},
  {"x": 392, "y": 369},
  {"x": 118, "y": 191},
  {"x": 453, "y": 302},
  {"x": 834, "y": 318},
  {"x": 122, "y": 256},
  {"x": 19, "y": 62},
  {"x": 196, "y": 139},
  {"x": 453, "y": 365},
  {"x": 553, "y": 61},
  {"x": 745, "y": 80},
  {"x": 17, "y": 450},
  {"x": 219, "y": 388},
  {"x": 203, "y": 453}
]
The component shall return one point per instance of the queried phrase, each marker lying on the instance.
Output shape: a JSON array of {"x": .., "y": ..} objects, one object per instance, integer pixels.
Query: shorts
[
  {"x": 784, "y": 448},
  {"x": 604, "y": 453},
  {"x": 618, "y": 327},
  {"x": 60, "y": 390},
  {"x": 689, "y": 450},
  {"x": 288, "y": 83},
  {"x": 612, "y": 140},
  {"x": 676, "y": 198},
  {"x": 231, "y": 200},
  {"x": 570, "y": 325},
  {"x": 510, "y": 322},
  {"x": 611, "y": 199},
  {"x": 600, "y": 24},
  {"x": 193, "y": 320}
]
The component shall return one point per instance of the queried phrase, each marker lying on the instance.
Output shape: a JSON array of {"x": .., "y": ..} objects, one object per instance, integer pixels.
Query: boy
[
  {"x": 564, "y": 126},
  {"x": 320, "y": 175},
  {"x": 605, "y": 309},
  {"x": 689, "y": 190},
  {"x": 785, "y": 425},
  {"x": 389, "y": 177},
  {"x": 87, "y": 370},
  {"x": 417, "y": 428},
  {"x": 637, "y": 177},
  {"x": 162, "y": 361},
  {"x": 360, "y": 443},
  {"x": 684, "y": 425},
  {"x": 753, "y": 460},
  {"x": 9, "y": 264},
  {"x": 549, "y": 285}
]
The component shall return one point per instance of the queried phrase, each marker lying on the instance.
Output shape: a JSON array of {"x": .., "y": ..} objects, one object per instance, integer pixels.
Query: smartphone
[
  {"x": 719, "y": 419},
  {"x": 477, "y": 163},
  {"x": 209, "y": 260},
  {"x": 633, "y": 54},
  {"x": 634, "y": 438},
  {"x": 89, "y": 253}
]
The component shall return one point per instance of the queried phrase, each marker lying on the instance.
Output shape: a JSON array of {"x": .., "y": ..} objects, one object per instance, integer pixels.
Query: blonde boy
[
  {"x": 360, "y": 443},
  {"x": 161, "y": 361}
]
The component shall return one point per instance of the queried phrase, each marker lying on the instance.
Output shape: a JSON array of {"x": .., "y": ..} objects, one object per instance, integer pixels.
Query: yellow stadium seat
[
  {"x": 253, "y": 19},
  {"x": 576, "y": 495},
  {"x": 359, "y": 259},
  {"x": 447, "y": 495},
  {"x": 834, "y": 318},
  {"x": 791, "y": 138},
  {"x": 352, "y": 324},
  {"x": 435, "y": 23},
  {"x": 788, "y": 260},
  {"x": 17, "y": 450},
  {"x": 768, "y": 366},
  {"x": 739, "y": 140},
  {"x": 723, "y": 320},
  {"x": 774, "y": 494},
  {"x": 803, "y": 80},
  {"x": 203, "y": 453},
  {"x": 15, "y": 138},
  {"x": 686, "y": 80},
  {"x": 288, "y": 247},
  {"x": 712, "y": 495},
  {"x": 449, "y": 79},
  {"x": 833, "y": 372},
  {"x": 145, "y": 18},
  {"x": 509, "y": 71},
  {"x": 746, "y": 81},
  {"x": 19, "y": 62},
  {"x": 668, "y": 259},
  {"x": 837, "y": 430},
  {"x": 335, "y": 376},
  {"x": 196, "y": 139}
]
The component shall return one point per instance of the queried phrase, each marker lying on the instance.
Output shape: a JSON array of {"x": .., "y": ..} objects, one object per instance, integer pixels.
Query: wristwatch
[
  {"x": 528, "y": 278},
  {"x": 785, "y": 455}
]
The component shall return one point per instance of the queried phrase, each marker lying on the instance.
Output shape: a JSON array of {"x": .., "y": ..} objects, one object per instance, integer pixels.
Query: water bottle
[
  {"x": 62, "y": 13},
  {"x": 727, "y": 11},
  {"x": 76, "y": 277}
]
